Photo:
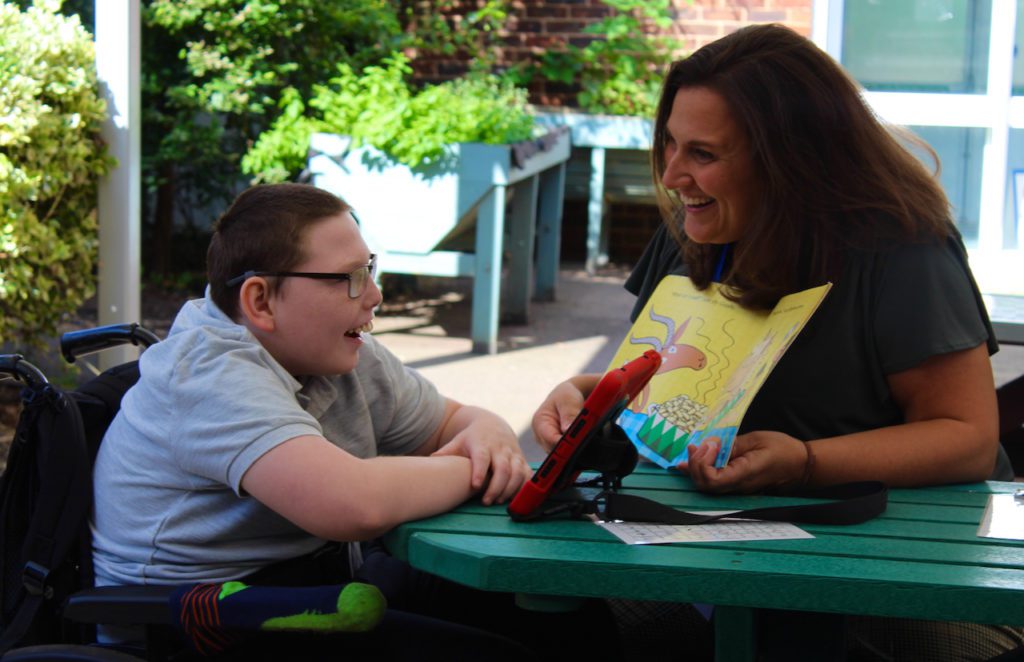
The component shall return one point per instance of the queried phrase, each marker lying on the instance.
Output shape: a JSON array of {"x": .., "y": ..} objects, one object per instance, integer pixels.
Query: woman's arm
[
  {"x": 951, "y": 432},
  {"x": 950, "y": 435}
]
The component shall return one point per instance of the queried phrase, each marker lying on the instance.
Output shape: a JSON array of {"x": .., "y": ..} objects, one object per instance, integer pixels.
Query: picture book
[{"x": 715, "y": 357}]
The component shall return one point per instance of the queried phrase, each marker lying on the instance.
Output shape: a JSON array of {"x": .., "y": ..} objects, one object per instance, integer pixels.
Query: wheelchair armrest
[
  {"x": 68, "y": 652},
  {"x": 121, "y": 605}
]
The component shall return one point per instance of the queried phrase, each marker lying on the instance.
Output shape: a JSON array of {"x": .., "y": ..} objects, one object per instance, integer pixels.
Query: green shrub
[
  {"x": 620, "y": 71},
  {"x": 378, "y": 108},
  {"x": 50, "y": 159}
]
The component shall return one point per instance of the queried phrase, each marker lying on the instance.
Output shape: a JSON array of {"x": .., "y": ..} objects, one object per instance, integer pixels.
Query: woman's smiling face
[{"x": 708, "y": 165}]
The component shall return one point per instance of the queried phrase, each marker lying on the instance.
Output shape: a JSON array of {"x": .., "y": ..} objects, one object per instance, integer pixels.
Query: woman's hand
[
  {"x": 759, "y": 461},
  {"x": 560, "y": 408}
]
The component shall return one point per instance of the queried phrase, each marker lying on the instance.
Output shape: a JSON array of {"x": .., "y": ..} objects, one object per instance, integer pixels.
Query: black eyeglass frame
[{"x": 370, "y": 269}]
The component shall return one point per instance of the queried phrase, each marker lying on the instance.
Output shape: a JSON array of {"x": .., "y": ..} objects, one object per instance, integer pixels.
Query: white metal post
[
  {"x": 827, "y": 26},
  {"x": 994, "y": 160},
  {"x": 118, "y": 55}
]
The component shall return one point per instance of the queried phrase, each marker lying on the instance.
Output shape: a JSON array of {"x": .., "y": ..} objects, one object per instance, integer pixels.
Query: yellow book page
[{"x": 715, "y": 357}]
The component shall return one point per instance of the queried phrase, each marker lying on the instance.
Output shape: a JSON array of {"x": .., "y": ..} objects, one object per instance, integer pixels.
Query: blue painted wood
[
  {"x": 417, "y": 219},
  {"x": 595, "y": 212},
  {"x": 613, "y": 131},
  {"x": 600, "y": 132},
  {"x": 519, "y": 245},
  {"x": 487, "y": 281},
  {"x": 551, "y": 200},
  {"x": 435, "y": 263}
]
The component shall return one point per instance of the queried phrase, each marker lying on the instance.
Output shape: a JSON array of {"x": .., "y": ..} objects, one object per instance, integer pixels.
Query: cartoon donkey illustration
[{"x": 675, "y": 355}]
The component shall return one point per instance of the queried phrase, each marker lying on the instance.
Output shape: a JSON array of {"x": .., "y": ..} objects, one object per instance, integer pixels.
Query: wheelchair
[{"x": 49, "y": 608}]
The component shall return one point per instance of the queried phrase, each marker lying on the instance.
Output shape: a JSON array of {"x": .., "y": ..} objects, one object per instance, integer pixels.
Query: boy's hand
[{"x": 493, "y": 450}]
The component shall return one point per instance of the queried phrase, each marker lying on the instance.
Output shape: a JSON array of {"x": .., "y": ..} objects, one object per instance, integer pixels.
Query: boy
[{"x": 269, "y": 421}]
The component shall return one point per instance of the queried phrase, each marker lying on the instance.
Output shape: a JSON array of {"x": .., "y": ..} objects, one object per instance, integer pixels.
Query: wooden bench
[{"x": 449, "y": 219}]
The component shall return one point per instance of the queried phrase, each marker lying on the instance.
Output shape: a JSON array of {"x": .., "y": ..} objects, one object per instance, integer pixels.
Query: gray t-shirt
[
  {"x": 210, "y": 401},
  {"x": 891, "y": 309}
]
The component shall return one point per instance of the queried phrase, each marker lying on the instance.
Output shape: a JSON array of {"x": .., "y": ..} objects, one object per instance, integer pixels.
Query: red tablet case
[{"x": 616, "y": 388}]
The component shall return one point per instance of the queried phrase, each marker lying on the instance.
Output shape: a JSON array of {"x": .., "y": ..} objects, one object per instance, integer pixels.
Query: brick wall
[{"x": 537, "y": 25}]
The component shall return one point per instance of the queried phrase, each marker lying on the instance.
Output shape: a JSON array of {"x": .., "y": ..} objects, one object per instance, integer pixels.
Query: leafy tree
[
  {"x": 467, "y": 29},
  {"x": 51, "y": 157},
  {"x": 217, "y": 73},
  {"x": 213, "y": 71},
  {"x": 379, "y": 108}
]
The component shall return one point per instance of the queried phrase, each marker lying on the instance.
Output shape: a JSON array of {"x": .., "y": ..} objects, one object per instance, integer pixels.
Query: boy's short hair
[{"x": 262, "y": 230}]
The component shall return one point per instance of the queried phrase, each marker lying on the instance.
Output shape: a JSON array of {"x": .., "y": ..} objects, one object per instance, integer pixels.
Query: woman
[{"x": 774, "y": 176}]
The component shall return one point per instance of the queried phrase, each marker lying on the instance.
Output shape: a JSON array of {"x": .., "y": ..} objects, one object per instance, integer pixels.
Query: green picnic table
[{"x": 921, "y": 559}]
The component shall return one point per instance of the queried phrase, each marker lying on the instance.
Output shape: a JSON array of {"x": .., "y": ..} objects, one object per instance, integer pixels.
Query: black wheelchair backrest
[{"x": 46, "y": 488}]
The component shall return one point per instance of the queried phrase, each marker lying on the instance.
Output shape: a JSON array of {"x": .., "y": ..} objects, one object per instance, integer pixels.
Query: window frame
[{"x": 998, "y": 269}]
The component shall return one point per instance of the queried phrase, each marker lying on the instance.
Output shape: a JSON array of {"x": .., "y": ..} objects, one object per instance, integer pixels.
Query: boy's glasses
[{"x": 357, "y": 280}]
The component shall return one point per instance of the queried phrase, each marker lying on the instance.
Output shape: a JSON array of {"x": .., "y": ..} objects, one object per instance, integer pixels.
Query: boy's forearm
[
  {"x": 465, "y": 416},
  {"x": 336, "y": 496},
  {"x": 401, "y": 489}
]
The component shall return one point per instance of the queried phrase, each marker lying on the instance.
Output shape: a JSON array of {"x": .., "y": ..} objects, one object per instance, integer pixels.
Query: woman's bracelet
[{"x": 808, "y": 465}]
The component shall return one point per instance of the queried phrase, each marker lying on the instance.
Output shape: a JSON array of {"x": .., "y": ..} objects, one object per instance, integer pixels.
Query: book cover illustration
[{"x": 716, "y": 355}]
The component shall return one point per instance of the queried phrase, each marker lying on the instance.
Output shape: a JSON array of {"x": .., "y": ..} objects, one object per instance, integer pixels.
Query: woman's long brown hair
[{"x": 833, "y": 177}]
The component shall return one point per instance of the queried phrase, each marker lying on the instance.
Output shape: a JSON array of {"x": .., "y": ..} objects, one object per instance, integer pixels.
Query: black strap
[
  {"x": 56, "y": 459},
  {"x": 21, "y": 623},
  {"x": 610, "y": 453},
  {"x": 849, "y": 503},
  {"x": 62, "y": 505}
]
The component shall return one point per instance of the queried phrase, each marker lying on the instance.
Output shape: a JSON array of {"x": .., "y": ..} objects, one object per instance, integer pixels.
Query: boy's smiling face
[{"x": 317, "y": 325}]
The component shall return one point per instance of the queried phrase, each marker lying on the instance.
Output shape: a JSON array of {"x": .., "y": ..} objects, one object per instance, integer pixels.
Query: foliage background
[
  {"x": 232, "y": 89},
  {"x": 51, "y": 157},
  {"x": 213, "y": 80},
  {"x": 377, "y": 107},
  {"x": 619, "y": 69}
]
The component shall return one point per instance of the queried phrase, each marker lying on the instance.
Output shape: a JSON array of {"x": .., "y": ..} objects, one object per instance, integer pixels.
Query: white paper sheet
[
  {"x": 641, "y": 533},
  {"x": 1003, "y": 517}
]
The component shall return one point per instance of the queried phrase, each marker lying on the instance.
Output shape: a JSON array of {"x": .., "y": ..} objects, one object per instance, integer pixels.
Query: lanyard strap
[
  {"x": 849, "y": 503},
  {"x": 723, "y": 255}
]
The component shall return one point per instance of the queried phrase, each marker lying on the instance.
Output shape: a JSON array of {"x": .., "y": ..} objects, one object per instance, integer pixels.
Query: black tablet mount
[{"x": 611, "y": 455}]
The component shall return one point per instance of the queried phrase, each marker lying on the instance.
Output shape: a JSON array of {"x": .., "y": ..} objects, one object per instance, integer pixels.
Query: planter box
[
  {"x": 450, "y": 219},
  {"x": 627, "y": 177}
]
